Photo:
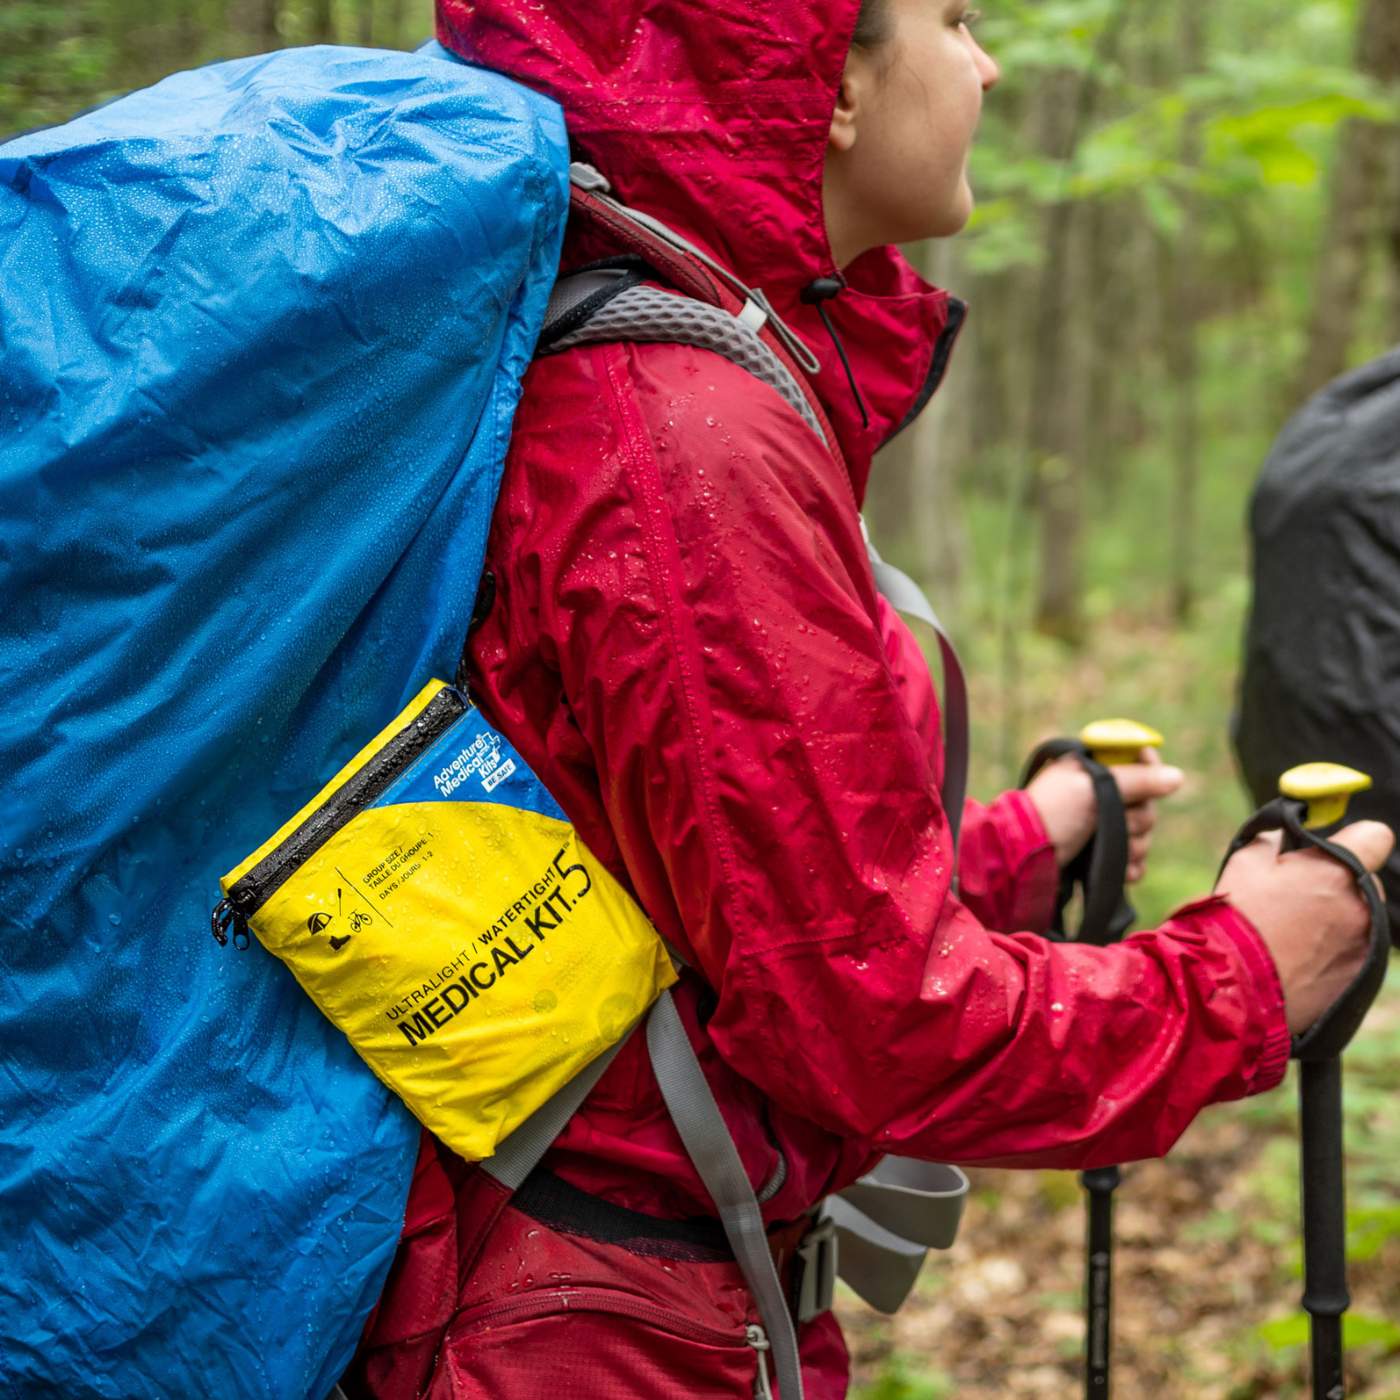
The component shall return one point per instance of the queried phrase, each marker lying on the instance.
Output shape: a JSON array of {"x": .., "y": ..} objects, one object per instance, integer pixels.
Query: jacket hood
[{"x": 713, "y": 116}]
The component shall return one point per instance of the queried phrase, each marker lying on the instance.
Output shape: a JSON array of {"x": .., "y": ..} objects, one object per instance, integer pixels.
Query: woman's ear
[{"x": 849, "y": 102}]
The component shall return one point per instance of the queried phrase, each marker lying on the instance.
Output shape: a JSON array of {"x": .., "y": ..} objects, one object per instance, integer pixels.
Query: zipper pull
[
  {"x": 224, "y": 918},
  {"x": 757, "y": 1338}
]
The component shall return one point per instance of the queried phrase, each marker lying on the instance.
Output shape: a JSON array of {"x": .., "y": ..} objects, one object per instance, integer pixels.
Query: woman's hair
[{"x": 873, "y": 26}]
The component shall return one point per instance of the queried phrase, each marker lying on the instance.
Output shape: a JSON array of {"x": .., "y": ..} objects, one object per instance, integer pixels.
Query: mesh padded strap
[
  {"x": 641, "y": 313},
  {"x": 707, "y": 1141}
]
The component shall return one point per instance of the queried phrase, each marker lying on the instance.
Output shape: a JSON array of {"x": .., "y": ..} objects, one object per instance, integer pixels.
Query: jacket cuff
[
  {"x": 1272, "y": 1041},
  {"x": 1031, "y": 858}
]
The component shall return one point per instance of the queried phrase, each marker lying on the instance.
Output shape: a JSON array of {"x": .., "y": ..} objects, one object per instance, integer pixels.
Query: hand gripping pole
[
  {"x": 1313, "y": 798},
  {"x": 1100, "y": 870}
]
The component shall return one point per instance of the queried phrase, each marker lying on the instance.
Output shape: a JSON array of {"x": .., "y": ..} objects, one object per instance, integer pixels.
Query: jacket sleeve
[
  {"x": 1007, "y": 875},
  {"x": 695, "y": 563}
]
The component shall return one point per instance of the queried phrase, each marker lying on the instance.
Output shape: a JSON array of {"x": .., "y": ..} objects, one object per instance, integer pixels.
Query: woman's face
[{"x": 896, "y": 167}]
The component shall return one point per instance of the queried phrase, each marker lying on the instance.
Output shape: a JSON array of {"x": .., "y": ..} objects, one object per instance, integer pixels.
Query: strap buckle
[{"x": 814, "y": 1262}]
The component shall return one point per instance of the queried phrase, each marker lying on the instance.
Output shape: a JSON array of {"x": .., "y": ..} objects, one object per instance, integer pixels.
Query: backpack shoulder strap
[
  {"x": 648, "y": 313},
  {"x": 749, "y": 321}
]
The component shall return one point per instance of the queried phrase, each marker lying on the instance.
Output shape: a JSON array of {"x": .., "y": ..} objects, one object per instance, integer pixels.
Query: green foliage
[
  {"x": 1370, "y": 1229},
  {"x": 899, "y": 1381},
  {"x": 1358, "y": 1330},
  {"x": 51, "y": 58},
  {"x": 1266, "y": 109},
  {"x": 57, "y": 60}
]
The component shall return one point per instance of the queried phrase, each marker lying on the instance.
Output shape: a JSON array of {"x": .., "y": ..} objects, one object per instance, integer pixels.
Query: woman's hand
[
  {"x": 1063, "y": 795},
  {"x": 1308, "y": 911}
]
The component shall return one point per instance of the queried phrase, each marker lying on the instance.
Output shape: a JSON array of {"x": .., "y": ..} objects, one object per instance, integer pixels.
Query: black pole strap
[
  {"x": 1332, "y": 1032},
  {"x": 1100, "y": 870}
]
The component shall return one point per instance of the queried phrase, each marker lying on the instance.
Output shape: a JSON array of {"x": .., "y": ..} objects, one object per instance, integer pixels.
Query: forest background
[{"x": 1189, "y": 220}]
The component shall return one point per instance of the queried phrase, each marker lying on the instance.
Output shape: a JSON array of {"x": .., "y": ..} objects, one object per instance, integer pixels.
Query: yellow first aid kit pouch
[{"x": 437, "y": 905}]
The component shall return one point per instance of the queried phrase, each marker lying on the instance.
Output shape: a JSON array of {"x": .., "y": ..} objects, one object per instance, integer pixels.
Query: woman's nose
[{"x": 987, "y": 68}]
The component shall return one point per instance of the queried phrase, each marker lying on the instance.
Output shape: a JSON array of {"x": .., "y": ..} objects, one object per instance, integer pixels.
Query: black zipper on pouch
[{"x": 360, "y": 790}]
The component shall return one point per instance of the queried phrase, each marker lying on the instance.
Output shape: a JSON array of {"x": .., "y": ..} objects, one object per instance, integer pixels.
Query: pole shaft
[
  {"x": 1098, "y": 1280},
  {"x": 1325, "y": 1295}
]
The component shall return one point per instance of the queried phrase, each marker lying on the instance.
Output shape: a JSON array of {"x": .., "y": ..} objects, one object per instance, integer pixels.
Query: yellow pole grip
[
  {"x": 1115, "y": 742},
  {"x": 1325, "y": 787}
]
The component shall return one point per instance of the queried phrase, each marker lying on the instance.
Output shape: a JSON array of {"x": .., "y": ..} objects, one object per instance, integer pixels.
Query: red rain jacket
[{"x": 687, "y": 646}]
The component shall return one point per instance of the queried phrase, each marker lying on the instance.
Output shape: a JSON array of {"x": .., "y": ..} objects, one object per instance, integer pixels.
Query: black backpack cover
[{"x": 1321, "y": 676}]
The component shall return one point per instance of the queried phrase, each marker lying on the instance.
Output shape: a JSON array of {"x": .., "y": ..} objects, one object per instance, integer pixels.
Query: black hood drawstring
[{"x": 817, "y": 293}]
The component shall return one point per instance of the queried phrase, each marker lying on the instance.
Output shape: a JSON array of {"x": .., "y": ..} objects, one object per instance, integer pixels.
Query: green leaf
[
  {"x": 1361, "y": 1329},
  {"x": 1285, "y": 1332},
  {"x": 1370, "y": 1230},
  {"x": 1358, "y": 1330},
  {"x": 897, "y": 1382}
]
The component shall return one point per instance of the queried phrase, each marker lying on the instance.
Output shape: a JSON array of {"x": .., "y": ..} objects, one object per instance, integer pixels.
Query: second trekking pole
[{"x": 1313, "y": 798}]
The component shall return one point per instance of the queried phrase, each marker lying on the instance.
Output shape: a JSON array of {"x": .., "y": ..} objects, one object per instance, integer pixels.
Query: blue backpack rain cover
[{"x": 263, "y": 327}]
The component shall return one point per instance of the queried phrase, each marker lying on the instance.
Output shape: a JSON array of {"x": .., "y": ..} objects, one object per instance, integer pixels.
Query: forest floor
[{"x": 1208, "y": 1273}]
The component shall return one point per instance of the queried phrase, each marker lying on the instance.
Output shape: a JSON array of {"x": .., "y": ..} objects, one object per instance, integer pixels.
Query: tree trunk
[
  {"x": 933, "y": 500},
  {"x": 1110, "y": 311},
  {"x": 395, "y": 23},
  {"x": 322, "y": 22},
  {"x": 1050, "y": 446},
  {"x": 911, "y": 502},
  {"x": 1180, "y": 322},
  {"x": 1356, "y": 214},
  {"x": 257, "y": 22},
  {"x": 1059, "y": 372},
  {"x": 1392, "y": 248}
]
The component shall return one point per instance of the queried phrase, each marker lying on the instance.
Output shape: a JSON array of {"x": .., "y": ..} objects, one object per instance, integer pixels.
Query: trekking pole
[
  {"x": 1313, "y": 798},
  {"x": 1100, "y": 872},
  {"x": 1113, "y": 743}
]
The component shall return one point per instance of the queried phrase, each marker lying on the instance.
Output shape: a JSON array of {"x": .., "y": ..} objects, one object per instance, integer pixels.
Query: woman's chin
[
  {"x": 958, "y": 213},
  {"x": 949, "y": 216}
]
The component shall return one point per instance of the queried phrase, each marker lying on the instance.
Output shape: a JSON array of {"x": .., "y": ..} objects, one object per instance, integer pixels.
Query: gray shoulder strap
[
  {"x": 520, "y": 1153},
  {"x": 905, "y": 596},
  {"x": 711, "y": 1148},
  {"x": 885, "y": 1223}
]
